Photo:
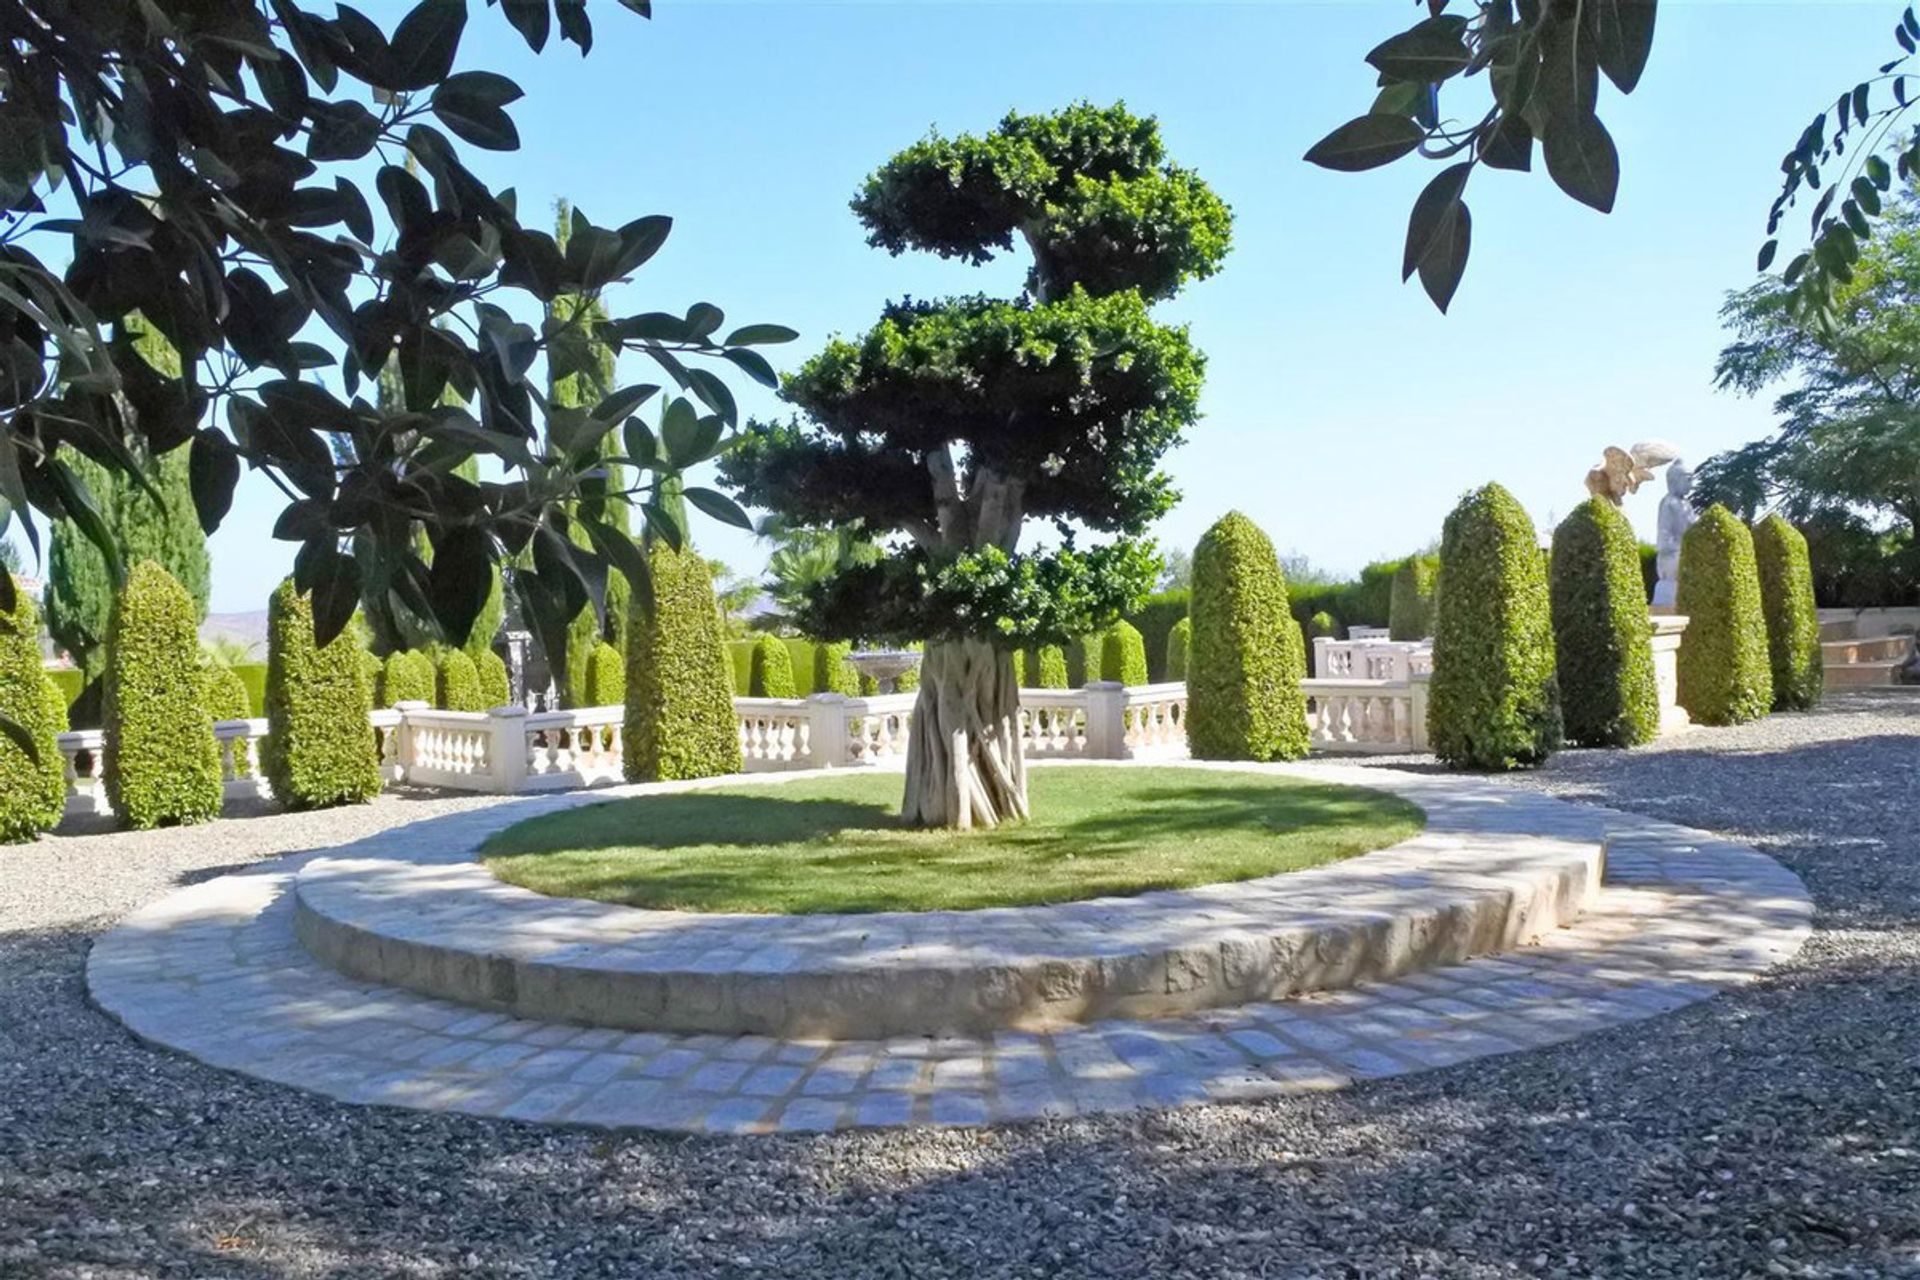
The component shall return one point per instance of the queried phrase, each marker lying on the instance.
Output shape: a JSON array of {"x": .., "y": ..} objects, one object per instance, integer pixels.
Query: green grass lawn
[{"x": 835, "y": 844}]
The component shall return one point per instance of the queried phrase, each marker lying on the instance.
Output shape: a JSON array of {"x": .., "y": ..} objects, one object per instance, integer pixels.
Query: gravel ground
[{"x": 1775, "y": 1131}]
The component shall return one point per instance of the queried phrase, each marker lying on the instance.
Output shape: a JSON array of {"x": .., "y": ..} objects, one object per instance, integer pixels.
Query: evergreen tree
[
  {"x": 162, "y": 765},
  {"x": 33, "y": 792},
  {"x": 165, "y": 530},
  {"x": 953, "y": 422},
  {"x": 318, "y": 751},
  {"x": 1244, "y": 662}
]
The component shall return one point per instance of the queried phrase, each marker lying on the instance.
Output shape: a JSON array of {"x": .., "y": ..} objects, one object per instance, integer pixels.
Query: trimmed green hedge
[
  {"x": 1123, "y": 655},
  {"x": 1044, "y": 667},
  {"x": 457, "y": 682},
  {"x": 740, "y": 665},
  {"x": 1793, "y": 625},
  {"x": 1084, "y": 655},
  {"x": 770, "y": 670},
  {"x": 1726, "y": 672},
  {"x": 1410, "y": 603},
  {"x": 33, "y": 794},
  {"x": 679, "y": 721},
  {"x": 1155, "y": 619},
  {"x": 606, "y": 677},
  {"x": 227, "y": 697},
  {"x": 319, "y": 750},
  {"x": 1494, "y": 703},
  {"x": 162, "y": 765},
  {"x": 1179, "y": 647},
  {"x": 407, "y": 676},
  {"x": 1609, "y": 696},
  {"x": 496, "y": 686},
  {"x": 832, "y": 673},
  {"x": 1244, "y": 700}
]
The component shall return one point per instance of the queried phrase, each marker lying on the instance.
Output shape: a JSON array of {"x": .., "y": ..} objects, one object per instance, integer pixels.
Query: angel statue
[{"x": 1623, "y": 471}]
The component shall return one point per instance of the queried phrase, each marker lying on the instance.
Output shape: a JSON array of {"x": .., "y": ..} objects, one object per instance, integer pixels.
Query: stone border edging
[{"x": 1482, "y": 878}]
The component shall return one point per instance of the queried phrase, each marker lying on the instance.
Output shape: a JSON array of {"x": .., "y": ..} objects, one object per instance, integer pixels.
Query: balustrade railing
[{"x": 509, "y": 750}]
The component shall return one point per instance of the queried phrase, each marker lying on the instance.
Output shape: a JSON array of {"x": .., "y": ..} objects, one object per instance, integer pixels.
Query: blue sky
[{"x": 1341, "y": 411}]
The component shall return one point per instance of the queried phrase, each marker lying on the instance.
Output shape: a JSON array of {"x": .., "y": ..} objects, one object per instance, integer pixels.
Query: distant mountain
[{"x": 242, "y": 628}]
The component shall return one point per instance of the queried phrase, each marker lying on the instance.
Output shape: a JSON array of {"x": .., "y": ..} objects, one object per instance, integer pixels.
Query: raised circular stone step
[{"x": 1486, "y": 876}]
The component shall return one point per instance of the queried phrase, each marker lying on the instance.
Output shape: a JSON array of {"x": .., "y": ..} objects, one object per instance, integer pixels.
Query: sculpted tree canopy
[
  {"x": 951, "y": 424},
  {"x": 202, "y": 164}
]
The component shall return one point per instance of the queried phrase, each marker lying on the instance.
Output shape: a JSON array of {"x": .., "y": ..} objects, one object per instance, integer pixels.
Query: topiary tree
[
  {"x": 1410, "y": 606},
  {"x": 162, "y": 765},
  {"x": 1156, "y": 618},
  {"x": 457, "y": 683},
  {"x": 228, "y": 699},
  {"x": 680, "y": 721},
  {"x": 496, "y": 687},
  {"x": 33, "y": 791},
  {"x": 1042, "y": 667},
  {"x": 1493, "y": 703},
  {"x": 319, "y": 750},
  {"x": 1244, "y": 700},
  {"x": 151, "y": 521},
  {"x": 951, "y": 423},
  {"x": 1609, "y": 696},
  {"x": 1179, "y": 645},
  {"x": 1726, "y": 671},
  {"x": 770, "y": 669},
  {"x": 1084, "y": 656},
  {"x": 1123, "y": 655},
  {"x": 1793, "y": 623},
  {"x": 832, "y": 673},
  {"x": 406, "y": 676},
  {"x": 606, "y": 677}
]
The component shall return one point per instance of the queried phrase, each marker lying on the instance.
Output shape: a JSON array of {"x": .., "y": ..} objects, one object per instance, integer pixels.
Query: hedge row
[
  {"x": 1410, "y": 603},
  {"x": 1244, "y": 700},
  {"x": 1044, "y": 667}
]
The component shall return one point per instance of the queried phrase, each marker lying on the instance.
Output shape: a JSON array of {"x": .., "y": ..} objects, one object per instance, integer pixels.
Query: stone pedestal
[{"x": 1668, "y": 628}]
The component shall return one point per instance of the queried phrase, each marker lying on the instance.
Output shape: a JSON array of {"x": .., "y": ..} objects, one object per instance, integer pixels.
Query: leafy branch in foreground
[{"x": 1543, "y": 60}]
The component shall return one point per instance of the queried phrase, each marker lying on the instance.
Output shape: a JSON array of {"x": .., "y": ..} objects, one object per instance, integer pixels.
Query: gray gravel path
[{"x": 1775, "y": 1131}]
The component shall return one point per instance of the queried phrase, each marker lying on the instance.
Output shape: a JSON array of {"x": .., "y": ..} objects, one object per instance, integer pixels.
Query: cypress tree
[
  {"x": 1793, "y": 622},
  {"x": 680, "y": 721},
  {"x": 1244, "y": 700},
  {"x": 162, "y": 764},
  {"x": 1179, "y": 647},
  {"x": 167, "y": 531},
  {"x": 1601, "y": 638},
  {"x": 1494, "y": 702},
  {"x": 319, "y": 750}
]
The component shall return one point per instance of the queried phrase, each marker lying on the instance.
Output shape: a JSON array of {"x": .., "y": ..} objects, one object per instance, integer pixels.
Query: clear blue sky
[{"x": 1341, "y": 411}]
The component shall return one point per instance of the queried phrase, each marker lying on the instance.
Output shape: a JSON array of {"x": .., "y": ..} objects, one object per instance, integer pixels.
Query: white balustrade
[
  {"x": 241, "y": 772},
  {"x": 581, "y": 747},
  {"x": 1155, "y": 722},
  {"x": 1369, "y": 716},
  {"x": 85, "y": 754},
  {"x": 878, "y": 727},
  {"x": 775, "y": 733},
  {"x": 1361, "y": 658},
  {"x": 1053, "y": 723}
]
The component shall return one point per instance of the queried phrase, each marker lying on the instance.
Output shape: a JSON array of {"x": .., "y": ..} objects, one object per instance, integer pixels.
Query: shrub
[
  {"x": 1649, "y": 567},
  {"x": 227, "y": 699},
  {"x": 770, "y": 670},
  {"x": 319, "y": 750},
  {"x": 1084, "y": 654},
  {"x": 1044, "y": 667},
  {"x": 33, "y": 794},
  {"x": 740, "y": 665},
  {"x": 1243, "y": 670},
  {"x": 1726, "y": 674},
  {"x": 832, "y": 673},
  {"x": 496, "y": 687},
  {"x": 457, "y": 682},
  {"x": 407, "y": 676},
  {"x": 1155, "y": 619},
  {"x": 1608, "y": 694},
  {"x": 908, "y": 681},
  {"x": 162, "y": 765},
  {"x": 1123, "y": 655},
  {"x": 606, "y": 677},
  {"x": 1179, "y": 645},
  {"x": 800, "y": 659},
  {"x": 679, "y": 721},
  {"x": 1793, "y": 624},
  {"x": 1494, "y": 703},
  {"x": 1410, "y": 607}
]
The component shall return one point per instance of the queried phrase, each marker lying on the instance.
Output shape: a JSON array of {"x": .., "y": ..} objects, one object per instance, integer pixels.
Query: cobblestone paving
[{"x": 214, "y": 970}]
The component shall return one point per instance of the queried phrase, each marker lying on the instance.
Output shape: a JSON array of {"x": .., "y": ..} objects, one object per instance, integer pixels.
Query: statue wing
[{"x": 1655, "y": 453}]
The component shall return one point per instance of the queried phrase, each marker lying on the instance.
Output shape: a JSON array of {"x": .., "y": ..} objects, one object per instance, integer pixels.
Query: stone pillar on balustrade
[
  {"x": 1106, "y": 720},
  {"x": 507, "y": 748},
  {"x": 827, "y": 730},
  {"x": 1668, "y": 630}
]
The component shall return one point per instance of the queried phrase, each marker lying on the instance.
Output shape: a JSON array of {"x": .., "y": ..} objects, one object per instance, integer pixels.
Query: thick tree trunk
[{"x": 964, "y": 766}]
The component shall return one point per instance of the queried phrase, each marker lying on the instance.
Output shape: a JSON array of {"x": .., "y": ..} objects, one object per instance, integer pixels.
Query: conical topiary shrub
[
  {"x": 1793, "y": 623},
  {"x": 1609, "y": 696},
  {"x": 1410, "y": 604},
  {"x": 496, "y": 686},
  {"x": 319, "y": 750},
  {"x": 1123, "y": 655},
  {"x": 1244, "y": 669},
  {"x": 680, "y": 721},
  {"x": 832, "y": 673},
  {"x": 457, "y": 686},
  {"x": 1042, "y": 667},
  {"x": 1726, "y": 672},
  {"x": 406, "y": 676},
  {"x": 770, "y": 669},
  {"x": 606, "y": 684},
  {"x": 1084, "y": 655},
  {"x": 1493, "y": 703},
  {"x": 33, "y": 793},
  {"x": 1179, "y": 647},
  {"x": 162, "y": 765}
]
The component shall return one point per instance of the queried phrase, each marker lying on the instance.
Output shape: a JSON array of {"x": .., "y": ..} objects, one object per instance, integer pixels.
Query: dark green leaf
[
  {"x": 1366, "y": 143},
  {"x": 213, "y": 472},
  {"x": 1623, "y": 33},
  {"x": 425, "y": 42},
  {"x": 754, "y": 365},
  {"x": 1430, "y": 52},
  {"x": 755, "y": 335},
  {"x": 1794, "y": 268},
  {"x": 1767, "y": 251},
  {"x": 715, "y": 394},
  {"x": 530, "y": 19},
  {"x": 1582, "y": 161},
  {"x": 663, "y": 524},
  {"x": 1867, "y": 194},
  {"x": 642, "y": 447},
  {"x": 720, "y": 507},
  {"x": 1429, "y": 227},
  {"x": 1509, "y": 144},
  {"x": 1856, "y": 219},
  {"x": 1878, "y": 172},
  {"x": 623, "y": 402},
  {"x": 460, "y": 580},
  {"x": 80, "y": 507}
]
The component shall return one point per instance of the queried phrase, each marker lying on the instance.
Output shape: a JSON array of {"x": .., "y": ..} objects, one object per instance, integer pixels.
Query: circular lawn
[{"x": 835, "y": 844}]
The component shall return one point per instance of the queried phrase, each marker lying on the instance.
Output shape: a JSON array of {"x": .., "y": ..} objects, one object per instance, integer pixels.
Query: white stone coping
[{"x": 412, "y": 908}]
